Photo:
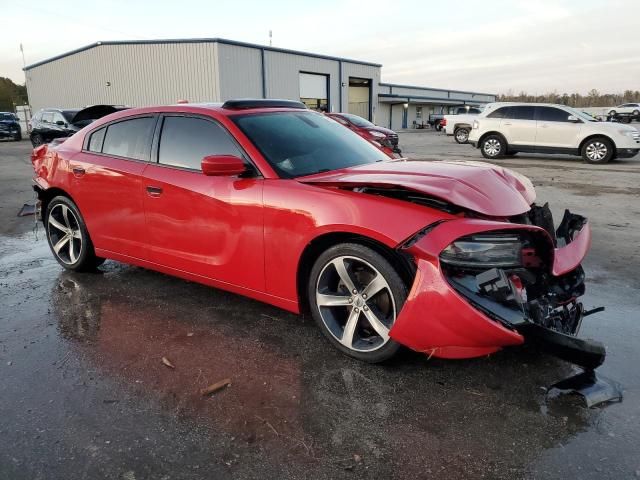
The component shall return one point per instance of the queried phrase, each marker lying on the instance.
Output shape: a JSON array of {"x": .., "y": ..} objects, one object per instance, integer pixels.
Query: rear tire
[
  {"x": 597, "y": 150},
  {"x": 68, "y": 236},
  {"x": 493, "y": 146},
  {"x": 356, "y": 323},
  {"x": 636, "y": 113},
  {"x": 461, "y": 135}
]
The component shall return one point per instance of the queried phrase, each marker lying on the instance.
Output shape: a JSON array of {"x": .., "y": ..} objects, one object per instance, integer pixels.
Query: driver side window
[{"x": 185, "y": 141}]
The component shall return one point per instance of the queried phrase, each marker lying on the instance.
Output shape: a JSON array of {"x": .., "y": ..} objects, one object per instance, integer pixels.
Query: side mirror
[
  {"x": 573, "y": 118},
  {"x": 222, "y": 165},
  {"x": 60, "y": 122}
]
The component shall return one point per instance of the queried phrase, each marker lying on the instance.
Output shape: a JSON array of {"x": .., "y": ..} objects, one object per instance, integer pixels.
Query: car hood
[
  {"x": 376, "y": 128},
  {"x": 477, "y": 186},
  {"x": 94, "y": 112}
]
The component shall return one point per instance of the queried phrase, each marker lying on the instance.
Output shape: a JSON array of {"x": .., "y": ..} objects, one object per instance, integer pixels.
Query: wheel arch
[
  {"x": 596, "y": 135},
  {"x": 403, "y": 263},
  {"x": 46, "y": 195},
  {"x": 492, "y": 132},
  {"x": 461, "y": 125}
]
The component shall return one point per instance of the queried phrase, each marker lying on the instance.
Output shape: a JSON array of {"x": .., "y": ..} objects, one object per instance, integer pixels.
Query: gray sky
[{"x": 490, "y": 45}]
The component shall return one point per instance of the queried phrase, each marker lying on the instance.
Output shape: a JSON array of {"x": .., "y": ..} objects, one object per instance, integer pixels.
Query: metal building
[{"x": 137, "y": 73}]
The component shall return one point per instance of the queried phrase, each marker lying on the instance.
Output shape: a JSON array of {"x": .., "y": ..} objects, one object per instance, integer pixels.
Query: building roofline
[
  {"x": 223, "y": 41},
  {"x": 435, "y": 100},
  {"x": 397, "y": 85}
]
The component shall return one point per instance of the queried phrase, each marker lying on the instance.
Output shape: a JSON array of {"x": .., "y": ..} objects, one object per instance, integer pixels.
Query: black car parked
[
  {"x": 9, "y": 126},
  {"x": 51, "y": 123}
]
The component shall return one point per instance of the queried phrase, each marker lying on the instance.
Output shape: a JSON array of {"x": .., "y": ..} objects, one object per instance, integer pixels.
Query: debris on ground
[
  {"x": 214, "y": 387},
  {"x": 26, "y": 210},
  {"x": 167, "y": 362}
]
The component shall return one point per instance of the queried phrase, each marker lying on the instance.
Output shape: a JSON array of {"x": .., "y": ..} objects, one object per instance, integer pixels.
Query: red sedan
[
  {"x": 383, "y": 138},
  {"x": 267, "y": 199}
]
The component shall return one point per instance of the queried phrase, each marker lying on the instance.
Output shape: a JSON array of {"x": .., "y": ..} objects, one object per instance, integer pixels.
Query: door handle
[
  {"x": 154, "y": 191},
  {"x": 507, "y": 124},
  {"x": 78, "y": 171}
]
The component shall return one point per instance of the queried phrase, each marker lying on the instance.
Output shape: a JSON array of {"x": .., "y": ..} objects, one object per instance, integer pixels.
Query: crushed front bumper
[{"x": 447, "y": 315}]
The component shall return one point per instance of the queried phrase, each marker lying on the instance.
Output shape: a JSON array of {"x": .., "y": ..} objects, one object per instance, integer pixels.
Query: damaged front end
[
  {"x": 519, "y": 279},
  {"x": 487, "y": 284}
]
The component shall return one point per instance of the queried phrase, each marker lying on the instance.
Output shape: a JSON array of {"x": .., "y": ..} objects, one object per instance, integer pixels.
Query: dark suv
[
  {"x": 51, "y": 123},
  {"x": 9, "y": 126}
]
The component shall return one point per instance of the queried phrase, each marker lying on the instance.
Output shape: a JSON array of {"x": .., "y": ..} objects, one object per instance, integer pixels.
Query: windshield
[
  {"x": 303, "y": 143},
  {"x": 357, "y": 121},
  {"x": 583, "y": 115},
  {"x": 7, "y": 116}
]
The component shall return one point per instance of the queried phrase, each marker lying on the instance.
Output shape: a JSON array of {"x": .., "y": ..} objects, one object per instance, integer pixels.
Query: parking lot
[{"x": 84, "y": 392}]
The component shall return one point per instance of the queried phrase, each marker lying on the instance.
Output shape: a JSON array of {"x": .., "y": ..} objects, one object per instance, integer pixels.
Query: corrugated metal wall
[
  {"x": 282, "y": 73},
  {"x": 140, "y": 74},
  {"x": 240, "y": 72}
]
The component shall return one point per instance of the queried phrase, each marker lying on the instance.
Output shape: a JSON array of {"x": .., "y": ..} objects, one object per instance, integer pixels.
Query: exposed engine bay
[{"x": 513, "y": 285}]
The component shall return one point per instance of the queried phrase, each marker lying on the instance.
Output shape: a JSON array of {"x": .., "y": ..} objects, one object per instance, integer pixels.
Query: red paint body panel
[
  {"x": 481, "y": 187},
  {"x": 296, "y": 213},
  {"x": 567, "y": 258},
  {"x": 247, "y": 235},
  {"x": 210, "y": 226}
]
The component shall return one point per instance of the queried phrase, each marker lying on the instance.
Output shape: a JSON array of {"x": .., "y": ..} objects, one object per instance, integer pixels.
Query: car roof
[{"x": 524, "y": 104}]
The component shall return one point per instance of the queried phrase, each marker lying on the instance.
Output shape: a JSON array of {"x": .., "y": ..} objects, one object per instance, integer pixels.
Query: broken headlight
[{"x": 484, "y": 251}]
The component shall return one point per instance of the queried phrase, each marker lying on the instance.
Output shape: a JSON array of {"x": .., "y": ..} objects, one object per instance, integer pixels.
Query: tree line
[
  {"x": 592, "y": 99},
  {"x": 11, "y": 95}
]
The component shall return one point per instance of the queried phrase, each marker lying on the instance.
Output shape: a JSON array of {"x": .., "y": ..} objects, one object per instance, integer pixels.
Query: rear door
[
  {"x": 107, "y": 184},
  {"x": 210, "y": 226},
  {"x": 554, "y": 130},
  {"x": 519, "y": 125}
]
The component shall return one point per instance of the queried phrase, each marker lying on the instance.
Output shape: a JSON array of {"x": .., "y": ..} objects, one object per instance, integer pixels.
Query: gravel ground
[{"x": 84, "y": 393}]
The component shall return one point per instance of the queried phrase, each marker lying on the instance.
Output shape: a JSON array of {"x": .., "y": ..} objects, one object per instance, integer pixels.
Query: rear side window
[
  {"x": 522, "y": 113},
  {"x": 96, "y": 139},
  {"x": 499, "y": 113},
  {"x": 129, "y": 138},
  {"x": 551, "y": 114},
  {"x": 185, "y": 141}
]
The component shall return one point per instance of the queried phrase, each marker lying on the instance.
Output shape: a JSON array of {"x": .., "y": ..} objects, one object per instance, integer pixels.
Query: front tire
[
  {"x": 17, "y": 137},
  {"x": 636, "y": 113},
  {"x": 598, "y": 150},
  {"x": 68, "y": 236},
  {"x": 355, "y": 295},
  {"x": 461, "y": 135},
  {"x": 493, "y": 146}
]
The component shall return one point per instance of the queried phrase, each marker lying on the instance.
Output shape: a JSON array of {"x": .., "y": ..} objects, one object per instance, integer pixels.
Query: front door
[
  {"x": 106, "y": 184},
  {"x": 554, "y": 130},
  {"x": 519, "y": 126},
  {"x": 210, "y": 226}
]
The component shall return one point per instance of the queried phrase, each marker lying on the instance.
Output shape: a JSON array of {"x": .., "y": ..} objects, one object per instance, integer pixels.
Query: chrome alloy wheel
[
  {"x": 64, "y": 233},
  {"x": 596, "y": 151},
  {"x": 355, "y": 303},
  {"x": 492, "y": 147},
  {"x": 462, "y": 135}
]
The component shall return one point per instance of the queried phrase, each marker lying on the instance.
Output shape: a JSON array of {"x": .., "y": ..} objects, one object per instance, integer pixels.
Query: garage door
[{"x": 314, "y": 90}]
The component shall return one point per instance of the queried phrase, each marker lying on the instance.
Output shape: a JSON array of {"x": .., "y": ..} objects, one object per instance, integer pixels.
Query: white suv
[
  {"x": 626, "y": 108},
  {"x": 507, "y": 128}
]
